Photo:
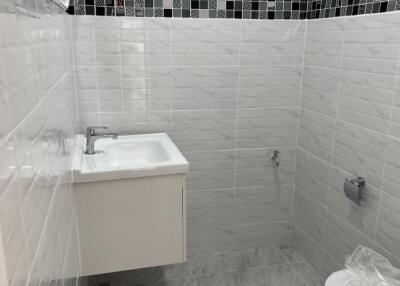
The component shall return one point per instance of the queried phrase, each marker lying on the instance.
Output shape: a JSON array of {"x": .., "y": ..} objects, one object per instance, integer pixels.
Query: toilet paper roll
[{"x": 353, "y": 188}]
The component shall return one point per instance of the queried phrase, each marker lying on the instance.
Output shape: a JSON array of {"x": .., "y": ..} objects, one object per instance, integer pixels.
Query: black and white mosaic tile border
[
  {"x": 234, "y": 9},
  {"x": 337, "y": 8}
]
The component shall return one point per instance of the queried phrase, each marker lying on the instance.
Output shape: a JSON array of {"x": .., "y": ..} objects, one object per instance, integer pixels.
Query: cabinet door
[{"x": 128, "y": 224}]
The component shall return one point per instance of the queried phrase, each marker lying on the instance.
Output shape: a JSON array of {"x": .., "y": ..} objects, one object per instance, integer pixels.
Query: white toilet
[
  {"x": 343, "y": 278},
  {"x": 338, "y": 278}
]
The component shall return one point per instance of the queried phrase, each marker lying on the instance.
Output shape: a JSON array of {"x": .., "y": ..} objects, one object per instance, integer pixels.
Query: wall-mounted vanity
[{"x": 131, "y": 203}]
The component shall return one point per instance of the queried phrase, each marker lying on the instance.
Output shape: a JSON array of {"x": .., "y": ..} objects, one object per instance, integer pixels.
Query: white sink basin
[{"x": 128, "y": 157}]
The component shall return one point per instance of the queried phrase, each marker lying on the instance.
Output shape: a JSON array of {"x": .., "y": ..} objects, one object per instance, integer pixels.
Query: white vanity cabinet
[
  {"x": 135, "y": 219},
  {"x": 131, "y": 223}
]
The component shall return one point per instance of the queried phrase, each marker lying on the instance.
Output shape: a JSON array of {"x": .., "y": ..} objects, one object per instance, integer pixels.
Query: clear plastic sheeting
[
  {"x": 62, "y": 3},
  {"x": 366, "y": 267}
]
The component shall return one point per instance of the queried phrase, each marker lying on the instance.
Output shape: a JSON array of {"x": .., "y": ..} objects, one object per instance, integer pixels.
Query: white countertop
[{"x": 129, "y": 156}]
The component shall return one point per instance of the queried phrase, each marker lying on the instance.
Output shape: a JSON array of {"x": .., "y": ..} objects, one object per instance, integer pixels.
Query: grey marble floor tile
[
  {"x": 277, "y": 275},
  {"x": 308, "y": 274},
  {"x": 251, "y": 267},
  {"x": 220, "y": 279},
  {"x": 290, "y": 254},
  {"x": 225, "y": 262},
  {"x": 175, "y": 282},
  {"x": 145, "y": 276}
]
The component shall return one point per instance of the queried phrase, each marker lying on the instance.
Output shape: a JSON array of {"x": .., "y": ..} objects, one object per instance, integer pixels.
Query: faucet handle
[{"x": 92, "y": 129}]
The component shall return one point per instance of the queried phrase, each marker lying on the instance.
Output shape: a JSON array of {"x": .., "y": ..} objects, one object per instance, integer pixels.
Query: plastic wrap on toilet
[{"x": 367, "y": 267}]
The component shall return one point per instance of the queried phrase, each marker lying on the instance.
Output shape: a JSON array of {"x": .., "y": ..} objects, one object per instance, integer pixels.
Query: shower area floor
[{"x": 254, "y": 267}]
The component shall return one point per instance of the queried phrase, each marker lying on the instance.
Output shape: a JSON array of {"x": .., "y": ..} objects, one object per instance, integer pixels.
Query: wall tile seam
[
  {"x": 235, "y": 188},
  {"x": 264, "y": 222},
  {"x": 97, "y": 78},
  {"x": 231, "y": 188},
  {"x": 387, "y": 147},
  {"x": 235, "y": 225},
  {"x": 364, "y": 128},
  {"x": 298, "y": 128},
  {"x": 237, "y": 84},
  {"x": 120, "y": 61},
  {"x": 206, "y": 109},
  {"x": 169, "y": 69},
  {"x": 319, "y": 67},
  {"x": 312, "y": 199},
  {"x": 236, "y": 234},
  {"x": 364, "y": 72},
  {"x": 319, "y": 245},
  {"x": 360, "y": 100},
  {"x": 73, "y": 56},
  {"x": 315, "y": 157},
  {"x": 294, "y": 269},
  {"x": 325, "y": 227}
]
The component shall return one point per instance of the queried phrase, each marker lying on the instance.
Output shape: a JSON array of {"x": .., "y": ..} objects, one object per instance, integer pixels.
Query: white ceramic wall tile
[
  {"x": 306, "y": 246},
  {"x": 210, "y": 240},
  {"x": 312, "y": 175},
  {"x": 309, "y": 214},
  {"x": 348, "y": 128},
  {"x": 388, "y": 234},
  {"x": 316, "y": 132},
  {"x": 252, "y": 168},
  {"x": 227, "y": 93},
  {"x": 392, "y": 168},
  {"x": 211, "y": 170},
  {"x": 210, "y": 208},
  {"x": 262, "y": 234},
  {"x": 37, "y": 124},
  {"x": 363, "y": 217},
  {"x": 262, "y": 204}
]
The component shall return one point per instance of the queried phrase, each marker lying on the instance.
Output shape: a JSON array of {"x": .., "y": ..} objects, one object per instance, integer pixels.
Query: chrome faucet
[{"x": 92, "y": 136}]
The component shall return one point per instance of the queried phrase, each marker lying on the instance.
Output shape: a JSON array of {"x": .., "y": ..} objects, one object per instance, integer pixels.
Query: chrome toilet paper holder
[{"x": 353, "y": 187}]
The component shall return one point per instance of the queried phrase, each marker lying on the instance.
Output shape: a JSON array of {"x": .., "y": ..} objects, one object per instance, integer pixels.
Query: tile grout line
[
  {"x": 74, "y": 74},
  {"x": 120, "y": 64},
  {"x": 298, "y": 132},
  {"x": 94, "y": 28},
  {"x": 335, "y": 125},
  {"x": 291, "y": 265},
  {"x": 236, "y": 139},
  {"x": 381, "y": 188}
]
